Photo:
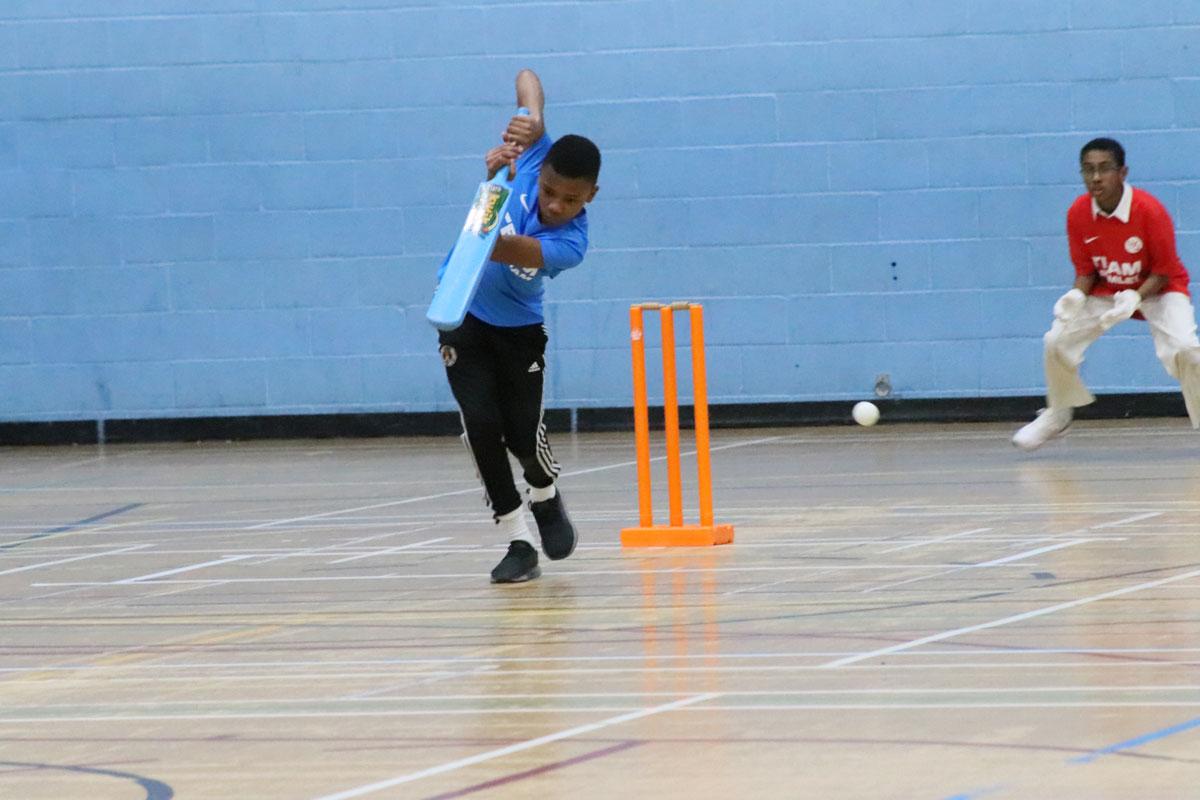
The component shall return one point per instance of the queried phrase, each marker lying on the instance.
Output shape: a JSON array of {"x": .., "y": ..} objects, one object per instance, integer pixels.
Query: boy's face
[
  {"x": 561, "y": 199},
  {"x": 1105, "y": 181}
]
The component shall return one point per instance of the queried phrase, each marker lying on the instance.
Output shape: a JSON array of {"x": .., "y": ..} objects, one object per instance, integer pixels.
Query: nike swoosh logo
[
  {"x": 1085, "y": 241},
  {"x": 525, "y": 201}
]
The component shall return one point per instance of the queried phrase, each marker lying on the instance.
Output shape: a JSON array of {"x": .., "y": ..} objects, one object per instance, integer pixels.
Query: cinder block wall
[{"x": 237, "y": 206}]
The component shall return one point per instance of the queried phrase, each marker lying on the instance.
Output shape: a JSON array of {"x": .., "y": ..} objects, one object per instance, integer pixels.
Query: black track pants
[{"x": 496, "y": 377}]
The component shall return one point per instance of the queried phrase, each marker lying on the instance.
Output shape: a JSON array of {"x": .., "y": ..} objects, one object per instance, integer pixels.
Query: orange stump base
[{"x": 677, "y": 536}]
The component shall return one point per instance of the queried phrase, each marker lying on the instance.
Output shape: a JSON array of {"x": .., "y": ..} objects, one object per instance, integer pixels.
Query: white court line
[
  {"x": 615, "y": 547},
  {"x": 28, "y": 567},
  {"x": 190, "y": 568},
  {"x": 474, "y": 575},
  {"x": 86, "y": 530},
  {"x": 418, "y": 680},
  {"x": 1038, "y": 551},
  {"x": 1126, "y": 521},
  {"x": 923, "y": 436},
  {"x": 984, "y": 510},
  {"x": 590, "y": 710},
  {"x": 390, "y": 550},
  {"x": 311, "y": 551},
  {"x": 973, "y": 650},
  {"x": 490, "y": 699},
  {"x": 779, "y": 512},
  {"x": 992, "y": 563},
  {"x": 485, "y": 660},
  {"x": 475, "y": 489},
  {"x": 921, "y": 706},
  {"x": 389, "y": 504},
  {"x": 780, "y": 582},
  {"x": 51, "y": 466},
  {"x": 761, "y": 586},
  {"x": 1115, "y": 523},
  {"x": 926, "y": 542},
  {"x": 938, "y": 637},
  {"x": 580, "y": 730},
  {"x": 279, "y": 677}
]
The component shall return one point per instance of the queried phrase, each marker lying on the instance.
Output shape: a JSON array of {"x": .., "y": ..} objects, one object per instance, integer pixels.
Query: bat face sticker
[{"x": 485, "y": 211}]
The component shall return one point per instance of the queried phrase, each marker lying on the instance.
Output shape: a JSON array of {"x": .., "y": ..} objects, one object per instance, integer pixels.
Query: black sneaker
[
  {"x": 555, "y": 528},
  {"x": 518, "y": 565}
]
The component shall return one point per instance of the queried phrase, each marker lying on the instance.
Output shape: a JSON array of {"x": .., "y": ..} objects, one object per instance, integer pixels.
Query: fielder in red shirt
[{"x": 1122, "y": 244}]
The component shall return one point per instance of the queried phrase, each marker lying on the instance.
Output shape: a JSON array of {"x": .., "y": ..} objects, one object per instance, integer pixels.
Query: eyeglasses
[{"x": 1089, "y": 170}]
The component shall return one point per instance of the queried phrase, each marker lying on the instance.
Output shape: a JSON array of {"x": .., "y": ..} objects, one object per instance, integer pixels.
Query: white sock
[
  {"x": 513, "y": 526},
  {"x": 545, "y": 493}
]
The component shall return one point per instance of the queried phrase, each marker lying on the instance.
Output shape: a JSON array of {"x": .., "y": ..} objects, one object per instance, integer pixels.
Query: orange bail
[{"x": 676, "y": 533}]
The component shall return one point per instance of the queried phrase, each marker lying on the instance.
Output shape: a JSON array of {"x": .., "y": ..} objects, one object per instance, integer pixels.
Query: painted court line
[
  {"x": 940, "y": 539},
  {"x": 266, "y": 550},
  {"x": 756, "y": 587},
  {"x": 1091, "y": 757},
  {"x": 420, "y": 680},
  {"x": 190, "y": 568},
  {"x": 755, "y": 708},
  {"x": 310, "y": 551},
  {"x": 389, "y": 504},
  {"x": 475, "y": 489},
  {"x": 1126, "y": 521},
  {"x": 73, "y": 526},
  {"x": 475, "y": 575},
  {"x": 938, "y": 637},
  {"x": 1137, "y": 741},
  {"x": 390, "y": 550},
  {"x": 529, "y": 773},
  {"x": 491, "y": 661},
  {"x": 993, "y": 563},
  {"x": 516, "y": 748},
  {"x": 492, "y": 698},
  {"x": 975, "y": 794},
  {"x": 1113, "y": 524},
  {"x": 1035, "y": 552},
  {"x": 28, "y": 567},
  {"x": 658, "y": 669},
  {"x": 781, "y": 707}
]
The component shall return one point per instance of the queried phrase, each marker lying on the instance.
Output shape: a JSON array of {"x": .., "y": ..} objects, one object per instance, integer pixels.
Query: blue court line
[
  {"x": 1088, "y": 758},
  {"x": 71, "y": 526},
  {"x": 1129, "y": 744},
  {"x": 155, "y": 789},
  {"x": 974, "y": 794}
]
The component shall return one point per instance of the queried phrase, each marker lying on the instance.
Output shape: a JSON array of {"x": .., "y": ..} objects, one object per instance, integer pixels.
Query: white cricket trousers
[{"x": 1172, "y": 323}]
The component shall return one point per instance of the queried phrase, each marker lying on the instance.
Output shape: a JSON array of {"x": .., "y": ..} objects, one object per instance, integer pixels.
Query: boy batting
[{"x": 495, "y": 361}]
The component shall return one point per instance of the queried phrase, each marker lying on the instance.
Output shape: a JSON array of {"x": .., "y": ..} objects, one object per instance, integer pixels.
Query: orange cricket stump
[{"x": 675, "y": 533}]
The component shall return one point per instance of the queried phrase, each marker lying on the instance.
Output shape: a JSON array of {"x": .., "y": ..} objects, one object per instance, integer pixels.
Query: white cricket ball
[{"x": 865, "y": 413}]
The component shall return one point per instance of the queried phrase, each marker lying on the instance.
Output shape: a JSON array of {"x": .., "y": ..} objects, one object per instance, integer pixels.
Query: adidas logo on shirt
[{"x": 534, "y": 367}]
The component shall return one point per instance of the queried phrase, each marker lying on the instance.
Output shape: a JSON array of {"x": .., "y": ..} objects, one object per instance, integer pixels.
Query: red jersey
[{"x": 1124, "y": 249}]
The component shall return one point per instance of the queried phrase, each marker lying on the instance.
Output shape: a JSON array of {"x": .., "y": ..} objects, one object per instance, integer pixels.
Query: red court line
[{"x": 529, "y": 773}]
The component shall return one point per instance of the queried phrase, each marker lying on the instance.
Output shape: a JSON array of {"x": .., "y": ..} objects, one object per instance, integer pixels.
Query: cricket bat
[{"x": 471, "y": 252}]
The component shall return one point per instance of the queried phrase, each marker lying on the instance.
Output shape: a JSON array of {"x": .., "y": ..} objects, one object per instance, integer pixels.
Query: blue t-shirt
[{"x": 508, "y": 295}]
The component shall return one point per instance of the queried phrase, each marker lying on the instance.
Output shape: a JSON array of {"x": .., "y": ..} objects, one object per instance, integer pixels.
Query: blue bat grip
[{"x": 512, "y": 173}]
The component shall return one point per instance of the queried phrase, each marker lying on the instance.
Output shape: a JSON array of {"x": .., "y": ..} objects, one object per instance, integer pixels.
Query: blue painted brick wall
[{"x": 237, "y": 206}]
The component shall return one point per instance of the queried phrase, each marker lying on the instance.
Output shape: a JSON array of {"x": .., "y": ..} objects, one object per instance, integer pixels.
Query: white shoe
[{"x": 1050, "y": 422}]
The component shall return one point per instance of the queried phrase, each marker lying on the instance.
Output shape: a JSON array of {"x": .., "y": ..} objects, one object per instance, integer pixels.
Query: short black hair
[
  {"x": 575, "y": 157},
  {"x": 1108, "y": 146}
]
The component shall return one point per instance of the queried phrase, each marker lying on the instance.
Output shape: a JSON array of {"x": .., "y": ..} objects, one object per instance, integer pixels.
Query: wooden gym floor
[{"x": 908, "y": 611}]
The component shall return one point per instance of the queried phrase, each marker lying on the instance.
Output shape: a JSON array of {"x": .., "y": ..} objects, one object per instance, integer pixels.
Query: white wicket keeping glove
[
  {"x": 1069, "y": 304},
  {"x": 1125, "y": 302}
]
